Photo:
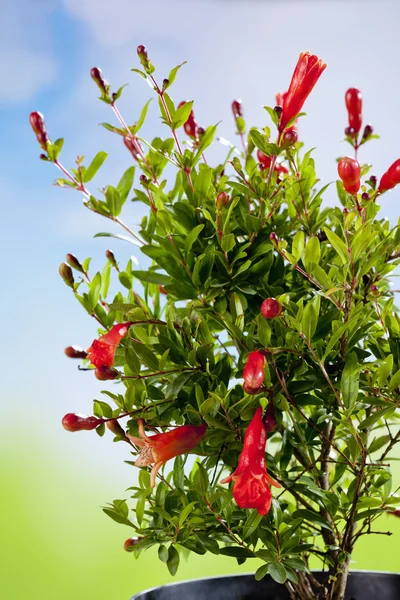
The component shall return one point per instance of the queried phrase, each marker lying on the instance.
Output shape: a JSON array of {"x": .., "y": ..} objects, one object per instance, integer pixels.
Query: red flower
[
  {"x": 102, "y": 352},
  {"x": 190, "y": 126},
  {"x": 74, "y": 422},
  {"x": 391, "y": 178},
  {"x": 265, "y": 162},
  {"x": 353, "y": 101},
  {"x": 160, "y": 448},
  {"x": 271, "y": 308},
  {"x": 350, "y": 172},
  {"x": 250, "y": 480},
  {"x": 253, "y": 373},
  {"x": 306, "y": 74}
]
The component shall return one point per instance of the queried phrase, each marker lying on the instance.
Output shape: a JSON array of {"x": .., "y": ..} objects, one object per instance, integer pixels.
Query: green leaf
[
  {"x": 95, "y": 166},
  {"x": 178, "y": 473},
  {"x": 185, "y": 512},
  {"x": 173, "y": 560},
  {"x": 202, "y": 185},
  {"x": 205, "y": 141},
  {"x": 338, "y": 245},
  {"x": 163, "y": 553},
  {"x": 125, "y": 184},
  {"x": 228, "y": 242},
  {"x": 261, "y": 572},
  {"x": 105, "y": 279},
  {"x": 142, "y": 117},
  {"x": 172, "y": 75},
  {"x": 202, "y": 269},
  {"x": 384, "y": 370},
  {"x": 309, "y": 320},
  {"x": 182, "y": 114},
  {"x": 277, "y": 572},
  {"x": 313, "y": 253},
  {"x": 251, "y": 524},
  {"x": 311, "y": 516},
  {"x": 192, "y": 237},
  {"x": 395, "y": 381},
  {"x": 237, "y": 552},
  {"x": 146, "y": 356},
  {"x": 372, "y": 419},
  {"x": 298, "y": 245},
  {"x": 94, "y": 290},
  {"x": 152, "y": 277},
  {"x": 114, "y": 201},
  {"x": 349, "y": 381},
  {"x": 261, "y": 142}
]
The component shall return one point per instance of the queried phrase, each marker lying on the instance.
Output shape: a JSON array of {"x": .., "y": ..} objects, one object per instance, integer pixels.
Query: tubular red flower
[
  {"x": 250, "y": 480},
  {"x": 74, "y": 422},
  {"x": 253, "y": 372},
  {"x": 306, "y": 74},
  {"x": 353, "y": 99},
  {"x": 38, "y": 125},
  {"x": 102, "y": 352},
  {"x": 391, "y": 178},
  {"x": 350, "y": 172},
  {"x": 160, "y": 448}
]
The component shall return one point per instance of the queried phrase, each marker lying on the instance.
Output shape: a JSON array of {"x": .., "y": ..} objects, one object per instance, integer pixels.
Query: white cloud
[{"x": 25, "y": 44}]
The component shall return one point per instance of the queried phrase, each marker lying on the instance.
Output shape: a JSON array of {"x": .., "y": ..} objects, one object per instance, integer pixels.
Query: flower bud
[
  {"x": 110, "y": 256},
  {"x": 368, "y": 131},
  {"x": 365, "y": 196},
  {"x": 375, "y": 290},
  {"x": 190, "y": 127},
  {"x": 278, "y": 109},
  {"x": 133, "y": 146},
  {"x": 271, "y": 308},
  {"x": 289, "y": 138},
  {"x": 75, "y": 352},
  {"x": 391, "y": 178},
  {"x": 142, "y": 53},
  {"x": 353, "y": 101},
  {"x": 395, "y": 513},
  {"x": 321, "y": 235},
  {"x": 130, "y": 543},
  {"x": 101, "y": 83},
  {"x": 74, "y": 263},
  {"x": 38, "y": 125},
  {"x": 349, "y": 171},
  {"x": 264, "y": 160},
  {"x": 269, "y": 418},
  {"x": 74, "y": 422},
  {"x": 200, "y": 132},
  {"x": 237, "y": 108},
  {"x": 373, "y": 180},
  {"x": 253, "y": 372},
  {"x": 274, "y": 238},
  {"x": 115, "y": 428},
  {"x": 106, "y": 373},
  {"x": 162, "y": 290},
  {"x": 66, "y": 273},
  {"x": 222, "y": 200},
  {"x": 349, "y": 131}
]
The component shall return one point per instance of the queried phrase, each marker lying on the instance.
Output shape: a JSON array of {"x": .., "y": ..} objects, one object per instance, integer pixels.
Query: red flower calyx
[
  {"x": 253, "y": 372},
  {"x": 271, "y": 308},
  {"x": 222, "y": 200},
  {"x": 250, "y": 480},
  {"x": 102, "y": 351},
  {"x": 99, "y": 80},
  {"x": 391, "y": 178},
  {"x": 157, "y": 449},
  {"x": 350, "y": 173},
  {"x": 237, "y": 109},
  {"x": 105, "y": 373},
  {"x": 75, "y": 422},
  {"x": 308, "y": 70},
  {"x": 353, "y": 99}
]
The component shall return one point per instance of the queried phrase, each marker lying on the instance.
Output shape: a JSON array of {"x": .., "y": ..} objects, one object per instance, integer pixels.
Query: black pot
[{"x": 362, "y": 585}]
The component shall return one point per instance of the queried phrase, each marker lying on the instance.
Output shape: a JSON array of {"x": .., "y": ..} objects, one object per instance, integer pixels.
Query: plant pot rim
[{"x": 230, "y": 575}]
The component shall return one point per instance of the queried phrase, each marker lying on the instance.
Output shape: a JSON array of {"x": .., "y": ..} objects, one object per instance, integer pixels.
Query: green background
[{"x": 57, "y": 543}]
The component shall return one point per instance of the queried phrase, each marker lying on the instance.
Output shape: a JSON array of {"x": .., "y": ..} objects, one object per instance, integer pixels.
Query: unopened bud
[
  {"x": 162, "y": 290},
  {"x": 222, "y": 200},
  {"x": 133, "y": 146},
  {"x": 278, "y": 109},
  {"x": 365, "y": 196},
  {"x": 38, "y": 125},
  {"x": 75, "y": 352},
  {"x": 375, "y": 290},
  {"x": 66, "y": 273},
  {"x": 101, "y": 83},
  {"x": 349, "y": 132},
  {"x": 130, "y": 543},
  {"x": 373, "y": 181},
  {"x": 116, "y": 428},
  {"x": 105, "y": 373},
  {"x": 321, "y": 235},
  {"x": 143, "y": 179},
  {"x": 274, "y": 238},
  {"x": 144, "y": 59},
  {"x": 237, "y": 108},
  {"x": 165, "y": 83},
  {"x": 200, "y": 132},
  {"x": 74, "y": 263},
  {"x": 74, "y": 422},
  {"x": 269, "y": 418},
  {"x": 368, "y": 131},
  {"x": 345, "y": 212},
  {"x": 110, "y": 256},
  {"x": 289, "y": 138}
]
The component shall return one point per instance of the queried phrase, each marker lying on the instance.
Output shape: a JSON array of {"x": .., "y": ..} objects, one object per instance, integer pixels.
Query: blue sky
[{"x": 234, "y": 49}]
